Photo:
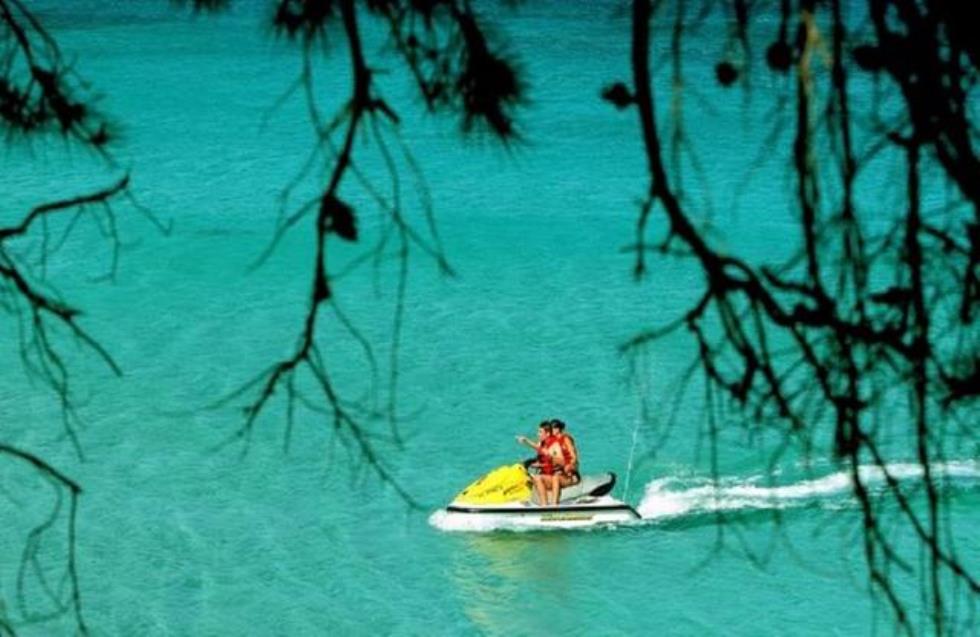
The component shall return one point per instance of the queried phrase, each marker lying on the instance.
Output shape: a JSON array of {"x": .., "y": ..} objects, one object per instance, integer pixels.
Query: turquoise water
[{"x": 176, "y": 538}]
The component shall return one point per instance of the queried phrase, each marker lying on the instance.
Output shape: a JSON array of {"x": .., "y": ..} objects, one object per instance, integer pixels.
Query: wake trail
[{"x": 673, "y": 497}]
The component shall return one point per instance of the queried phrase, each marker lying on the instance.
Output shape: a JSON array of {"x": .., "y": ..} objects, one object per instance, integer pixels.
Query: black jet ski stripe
[{"x": 537, "y": 510}]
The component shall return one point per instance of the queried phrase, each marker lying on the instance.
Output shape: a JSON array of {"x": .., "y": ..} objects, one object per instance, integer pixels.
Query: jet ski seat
[{"x": 590, "y": 485}]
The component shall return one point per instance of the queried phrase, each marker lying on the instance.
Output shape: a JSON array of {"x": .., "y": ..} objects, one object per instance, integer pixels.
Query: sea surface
[{"x": 184, "y": 529}]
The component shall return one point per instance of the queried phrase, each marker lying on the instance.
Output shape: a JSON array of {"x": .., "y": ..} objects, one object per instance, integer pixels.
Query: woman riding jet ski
[{"x": 564, "y": 499}]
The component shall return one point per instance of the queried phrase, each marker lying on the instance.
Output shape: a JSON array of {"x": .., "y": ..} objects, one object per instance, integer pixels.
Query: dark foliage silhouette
[
  {"x": 41, "y": 95},
  {"x": 457, "y": 70},
  {"x": 859, "y": 319}
]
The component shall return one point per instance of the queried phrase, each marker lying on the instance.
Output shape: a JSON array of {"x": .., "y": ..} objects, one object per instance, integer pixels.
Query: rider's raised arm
[{"x": 524, "y": 440}]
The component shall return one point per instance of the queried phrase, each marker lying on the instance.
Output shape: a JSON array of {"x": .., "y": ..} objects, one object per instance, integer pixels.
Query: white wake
[{"x": 671, "y": 497}]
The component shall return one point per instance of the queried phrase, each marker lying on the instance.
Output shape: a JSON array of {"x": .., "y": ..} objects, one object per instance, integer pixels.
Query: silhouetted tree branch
[
  {"x": 30, "y": 562},
  {"x": 456, "y": 70},
  {"x": 42, "y": 95},
  {"x": 860, "y": 342},
  {"x": 37, "y": 87}
]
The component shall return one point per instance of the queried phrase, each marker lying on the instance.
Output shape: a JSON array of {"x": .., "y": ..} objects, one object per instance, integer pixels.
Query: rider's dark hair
[{"x": 557, "y": 424}]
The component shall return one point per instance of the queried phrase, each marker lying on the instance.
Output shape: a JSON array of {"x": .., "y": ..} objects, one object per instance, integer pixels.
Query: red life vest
[
  {"x": 565, "y": 441},
  {"x": 544, "y": 458}
]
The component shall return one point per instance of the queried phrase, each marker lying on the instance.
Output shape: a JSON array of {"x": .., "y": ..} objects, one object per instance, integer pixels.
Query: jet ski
[{"x": 505, "y": 498}]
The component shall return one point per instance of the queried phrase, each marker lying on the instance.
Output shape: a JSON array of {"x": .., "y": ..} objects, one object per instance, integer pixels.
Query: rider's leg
[
  {"x": 555, "y": 490},
  {"x": 540, "y": 489},
  {"x": 562, "y": 480}
]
